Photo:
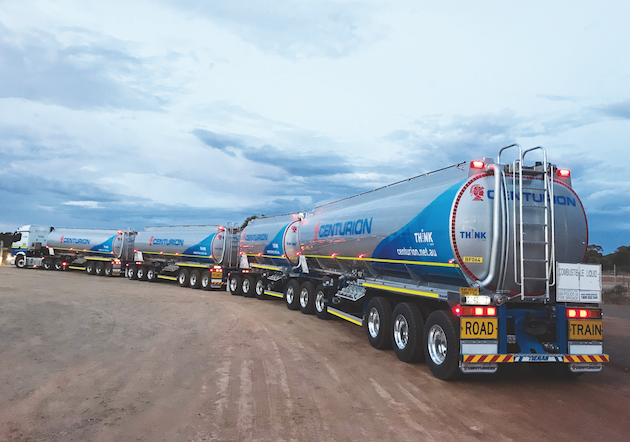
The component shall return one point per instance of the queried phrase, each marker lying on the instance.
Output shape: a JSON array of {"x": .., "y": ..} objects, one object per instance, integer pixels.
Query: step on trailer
[{"x": 466, "y": 268}]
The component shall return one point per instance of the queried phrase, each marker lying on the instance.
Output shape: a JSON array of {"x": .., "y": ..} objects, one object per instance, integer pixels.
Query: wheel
[
  {"x": 379, "y": 323},
  {"x": 48, "y": 264},
  {"x": 20, "y": 261},
  {"x": 407, "y": 332},
  {"x": 195, "y": 279},
  {"x": 320, "y": 303},
  {"x": 109, "y": 269},
  {"x": 441, "y": 346},
  {"x": 248, "y": 286},
  {"x": 234, "y": 284},
  {"x": 291, "y": 295},
  {"x": 182, "y": 277},
  {"x": 100, "y": 269},
  {"x": 259, "y": 288},
  {"x": 90, "y": 267},
  {"x": 141, "y": 273},
  {"x": 152, "y": 274},
  {"x": 132, "y": 272},
  {"x": 206, "y": 280},
  {"x": 553, "y": 370},
  {"x": 59, "y": 264},
  {"x": 307, "y": 298}
]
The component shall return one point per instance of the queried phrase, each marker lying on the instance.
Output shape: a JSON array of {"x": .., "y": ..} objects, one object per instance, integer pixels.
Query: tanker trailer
[
  {"x": 466, "y": 267},
  {"x": 267, "y": 244},
  {"x": 97, "y": 251},
  {"x": 194, "y": 256}
]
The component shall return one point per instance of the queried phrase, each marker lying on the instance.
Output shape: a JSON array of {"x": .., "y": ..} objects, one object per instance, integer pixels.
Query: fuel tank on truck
[
  {"x": 272, "y": 240},
  {"x": 101, "y": 242},
  {"x": 206, "y": 243},
  {"x": 438, "y": 228}
]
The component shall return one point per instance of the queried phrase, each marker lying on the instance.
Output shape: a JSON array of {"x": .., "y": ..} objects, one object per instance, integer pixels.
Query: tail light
[
  {"x": 583, "y": 313},
  {"x": 477, "y": 165},
  {"x": 564, "y": 173},
  {"x": 478, "y": 311}
]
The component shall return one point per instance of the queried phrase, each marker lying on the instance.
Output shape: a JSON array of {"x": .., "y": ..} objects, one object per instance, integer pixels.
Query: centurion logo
[
  {"x": 356, "y": 227},
  {"x": 153, "y": 241},
  {"x": 64, "y": 240}
]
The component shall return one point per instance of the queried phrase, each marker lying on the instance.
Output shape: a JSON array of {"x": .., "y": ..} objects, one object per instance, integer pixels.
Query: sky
[{"x": 119, "y": 114}]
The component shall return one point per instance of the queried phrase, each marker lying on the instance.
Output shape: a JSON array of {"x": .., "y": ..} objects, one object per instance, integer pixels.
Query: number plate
[
  {"x": 479, "y": 328},
  {"x": 585, "y": 330}
]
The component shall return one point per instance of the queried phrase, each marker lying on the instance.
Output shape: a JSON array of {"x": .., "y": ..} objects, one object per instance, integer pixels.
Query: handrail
[{"x": 496, "y": 232}]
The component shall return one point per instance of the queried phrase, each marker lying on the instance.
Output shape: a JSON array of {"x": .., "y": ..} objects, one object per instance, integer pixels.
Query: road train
[{"x": 466, "y": 268}]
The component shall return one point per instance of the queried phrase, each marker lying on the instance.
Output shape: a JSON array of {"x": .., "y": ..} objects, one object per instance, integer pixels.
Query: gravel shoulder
[{"x": 107, "y": 359}]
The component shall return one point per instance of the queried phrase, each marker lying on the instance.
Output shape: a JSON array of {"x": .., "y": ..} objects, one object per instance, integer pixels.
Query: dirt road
[{"x": 88, "y": 358}]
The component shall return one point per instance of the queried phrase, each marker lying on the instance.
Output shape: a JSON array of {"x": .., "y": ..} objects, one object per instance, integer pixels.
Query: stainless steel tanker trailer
[
  {"x": 466, "y": 268},
  {"x": 194, "y": 256},
  {"x": 97, "y": 251}
]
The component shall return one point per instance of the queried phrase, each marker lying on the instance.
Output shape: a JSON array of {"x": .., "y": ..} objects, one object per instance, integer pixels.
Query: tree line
[{"x": 619, "y": 258}]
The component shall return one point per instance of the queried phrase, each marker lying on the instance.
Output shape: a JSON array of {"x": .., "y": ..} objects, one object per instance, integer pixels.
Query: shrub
[{"x": 616, "y": 295}]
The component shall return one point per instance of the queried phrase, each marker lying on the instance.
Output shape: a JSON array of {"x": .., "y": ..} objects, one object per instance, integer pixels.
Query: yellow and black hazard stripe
[
  {"x": 478, "y": 359},
  {"x": 586, "y": 358}
]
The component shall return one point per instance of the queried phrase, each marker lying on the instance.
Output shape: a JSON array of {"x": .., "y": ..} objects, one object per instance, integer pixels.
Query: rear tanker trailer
[
  {"x": 194, "y": 256},
  {"x": 466, "y": 268},
  {"x": 97, "y": 251}
]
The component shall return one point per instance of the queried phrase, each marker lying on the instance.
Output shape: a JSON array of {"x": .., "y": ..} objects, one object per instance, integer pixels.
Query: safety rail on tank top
[{"x": 534, "y": 235}]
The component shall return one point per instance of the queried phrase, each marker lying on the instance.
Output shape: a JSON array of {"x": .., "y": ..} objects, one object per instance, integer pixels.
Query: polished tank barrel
[
  {"x": 272, "y": 240},
  {"x": 438, "y": 228},
  {"x": 207, "y": 243},
  {"x": 102, "y": 242}
]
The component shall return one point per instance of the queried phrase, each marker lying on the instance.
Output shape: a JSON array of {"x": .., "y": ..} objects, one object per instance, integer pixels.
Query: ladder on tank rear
[{"x": 533, "y": 224}]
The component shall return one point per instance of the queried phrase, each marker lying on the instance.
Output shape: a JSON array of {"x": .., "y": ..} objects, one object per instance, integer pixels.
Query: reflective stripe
[
  {"x": 276, "y": 294},
  {"x": 395, "y": 261},
  {"x": 76, "y": 268},
  {"x": 260, "y": 266},
  {"x": 479, "y": 359},
  {"x": 400, "y": 290},
  {"x": 170, "y": 278},
  {"x": 193, "y": 265},
  {"x": 586, "y": 358},
  {"x": 95, "y": 258},
  {"x": 345, "y": 316},
  {"x": 177, "y": 254}
]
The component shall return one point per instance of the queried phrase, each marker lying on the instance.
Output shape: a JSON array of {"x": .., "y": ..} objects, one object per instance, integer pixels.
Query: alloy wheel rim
[
  {"x": 401, "y": 332},
  {"x": 374, "y": 322},
  {"x": 304, "y": 298},
  {"x": 437, "y": 344}
]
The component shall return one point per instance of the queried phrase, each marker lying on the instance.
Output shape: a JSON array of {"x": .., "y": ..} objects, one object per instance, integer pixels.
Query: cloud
[
  {"x": 291, "y": 28},
  {"x": 37, "y": 66},
  {"x": 619, "y": 109},
  {"x": 86, "y": 204}
]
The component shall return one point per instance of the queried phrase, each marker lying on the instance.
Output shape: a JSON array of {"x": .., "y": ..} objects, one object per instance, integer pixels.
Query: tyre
[
  {"x": 248, "y": 286},
  {"x": 234, "y": 284},
  {"x": 58, "y": 264},
  {"x": 90, "y": 267},
  {"x": 407, "y": 332},
  {"x": 182, "y": 277},
  {"x": 109, "y": 270},
  {"x": 378, "y": 324},
  {"x": 20, "y": 261},
  {"x": 141, "y": 273},
  {"x": 307, "y": 298},
  {"x": 259, "y": 288},
  {"x": 320, "y": 303},
  {"x": 441, "y": 345},
  {"x": 48, "y": 264},
  {"x": 132, "y": 272},
  {"x": 100, "y": 269},
  {"x": 194, "y": 281},
  {"x": 291, "y": 295},
  {"x": 206, "y": 280},
  {"x": 152, "y": 274}
]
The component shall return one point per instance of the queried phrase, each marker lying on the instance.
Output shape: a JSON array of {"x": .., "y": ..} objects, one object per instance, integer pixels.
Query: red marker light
[
  {"x": 477, "y": 164},
  {"x": 478, "y": 311},
  {"x": 298, "y": 253},
  {"x": 362, "y": 255},
  {"x": 135, "y": 250},
  {"x": 120, "y": 232},
  {"x": 572, "y": 313},
  {"x": 457, "y": 310},
  {"x": 64, "y": 264},
  {"x": 491, "y": 311},
  {"x": 85, "y": 250},
  {"x": 565, "y": 173},
  {"x": 283, "y": 256},
  {"x": 161, "y": 253},
  {"x": 71, "y": 249},
  {"x": 333, "y": 255},
  {"x": 259, "y": 253},
  {"x": 583, "y": 313},
  {"x": 177, "y": 253}
]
